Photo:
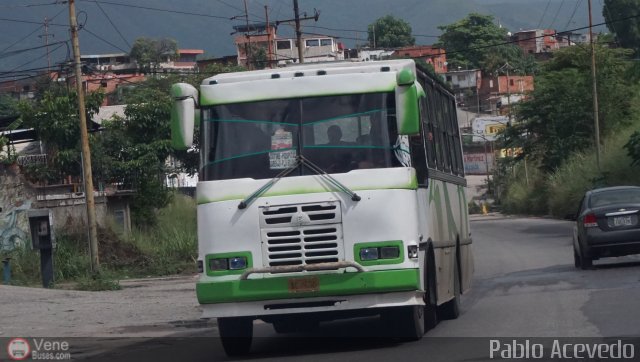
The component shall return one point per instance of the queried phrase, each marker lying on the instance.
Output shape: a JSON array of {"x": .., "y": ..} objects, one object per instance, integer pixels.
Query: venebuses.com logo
[{"x": 18, "y": 349}]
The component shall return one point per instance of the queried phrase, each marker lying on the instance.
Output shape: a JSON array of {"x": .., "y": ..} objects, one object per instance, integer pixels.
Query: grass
[
  {"x": 167, "y": 249},
  {"x": 560, "y": 192}
]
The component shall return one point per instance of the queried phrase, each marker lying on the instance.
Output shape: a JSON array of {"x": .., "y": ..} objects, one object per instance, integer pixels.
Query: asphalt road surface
[{"x": 525, "y": 285}]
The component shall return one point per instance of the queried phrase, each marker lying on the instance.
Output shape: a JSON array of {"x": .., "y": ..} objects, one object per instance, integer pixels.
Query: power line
[
  {"x": 32, "y": 22},
  {"x": 31, "y": 5},
  {"x": 114, "y": 25},
  {"x": 573, "y": 14},
  {"x": 556, "y": 16},
  {"x": 19, "y": 51},
  {"x": 157, "y": 9},
  {"x": 104, "y": 40},
  {"x": 36, "y": 59},
  {"x": 544, "y": 13},
  {"x": 28, "y": 35}
]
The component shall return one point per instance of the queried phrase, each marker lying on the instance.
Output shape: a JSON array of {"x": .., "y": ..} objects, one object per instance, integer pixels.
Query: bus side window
[
  {"x": 427, "y": 129},
  {"x": 418, "y": 151}
]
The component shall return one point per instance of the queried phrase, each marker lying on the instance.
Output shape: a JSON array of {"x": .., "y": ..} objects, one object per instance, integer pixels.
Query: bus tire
[
  {"x": 236, "y": 334},
  {"x": 451, "y": 309},
  {"x": 405, "y": 323},
  {"x": 430, "y": 295}
]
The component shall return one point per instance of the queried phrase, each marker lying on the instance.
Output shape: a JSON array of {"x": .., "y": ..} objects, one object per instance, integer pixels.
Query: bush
[{"x": 580, "y": 173}]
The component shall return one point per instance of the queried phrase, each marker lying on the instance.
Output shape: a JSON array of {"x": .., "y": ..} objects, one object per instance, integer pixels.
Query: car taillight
[{"x": 590, "y": 221}]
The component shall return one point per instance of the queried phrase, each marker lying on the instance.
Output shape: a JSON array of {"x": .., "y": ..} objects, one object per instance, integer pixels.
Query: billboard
[
  {"x": 476, "y": 163},
  {"x": 487, "y": 128}
]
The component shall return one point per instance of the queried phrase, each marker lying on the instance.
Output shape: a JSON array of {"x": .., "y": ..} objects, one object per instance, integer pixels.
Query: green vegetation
[
  {"x": 390, "y": 32},
  {"x": 149, "y": 53},
  {"x": 555, "y": 129},
  {"x": 169, "y": 248},
  {"x": 477, "y": 42}
]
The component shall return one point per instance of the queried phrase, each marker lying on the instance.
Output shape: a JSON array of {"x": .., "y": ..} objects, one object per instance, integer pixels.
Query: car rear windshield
[{"x": 624, "y": 196}]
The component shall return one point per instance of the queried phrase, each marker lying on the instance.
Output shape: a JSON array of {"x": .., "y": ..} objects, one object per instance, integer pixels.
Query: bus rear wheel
[
  {"x": 451, "y": 309},
  {"x": 236, "y": 334}
]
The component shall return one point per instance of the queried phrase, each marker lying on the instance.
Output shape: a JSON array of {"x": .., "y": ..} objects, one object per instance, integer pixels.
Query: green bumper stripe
[{"x": 330, "y": 285}]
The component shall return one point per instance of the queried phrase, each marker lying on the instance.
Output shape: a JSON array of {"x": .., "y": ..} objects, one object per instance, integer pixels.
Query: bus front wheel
[
  {"x": 236, "y": 334},
  {"x": 405, "y": 323}
]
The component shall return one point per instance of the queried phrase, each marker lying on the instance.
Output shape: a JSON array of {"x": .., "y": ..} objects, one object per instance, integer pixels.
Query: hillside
[{"x": 211, "y": 30}]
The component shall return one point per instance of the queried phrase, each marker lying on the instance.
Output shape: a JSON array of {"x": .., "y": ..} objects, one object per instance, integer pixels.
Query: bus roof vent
[
  {"x": 322, "y": 72},
  {"x": 298, "y": 74},
  {"x": 275, "y": 76},
  {"x": 385, "y": 69},
  {"x": 213, "y": 82}
]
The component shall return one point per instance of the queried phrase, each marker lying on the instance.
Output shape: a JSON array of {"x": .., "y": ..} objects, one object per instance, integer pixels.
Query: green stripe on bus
[
  {"x": 249, "y": 121},
  {"x": 334, "y": 284}
]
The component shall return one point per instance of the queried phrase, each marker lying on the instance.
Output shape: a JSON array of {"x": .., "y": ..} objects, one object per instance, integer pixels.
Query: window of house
[
  {"x": 462, "y": 77},
  {"x": 312, "y": 42},
  {"x": 103, "y": 84},
  {"x": 448, "y": 78},
  {"x": 283, "y": 44},
  {"x": 326, "y": 42},
  {"x": 511, "y": 82}
]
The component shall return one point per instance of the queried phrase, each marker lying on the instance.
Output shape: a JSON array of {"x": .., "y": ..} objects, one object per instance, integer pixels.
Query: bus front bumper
[{"x": 327, "y": 292}]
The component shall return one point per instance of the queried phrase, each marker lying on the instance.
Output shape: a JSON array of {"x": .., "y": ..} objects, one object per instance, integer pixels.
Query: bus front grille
[{"x": 301, "y": 234}]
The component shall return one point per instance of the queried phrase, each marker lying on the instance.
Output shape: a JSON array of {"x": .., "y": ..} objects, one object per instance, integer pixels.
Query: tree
[
  {"x": 627, "y": 31},
  {"x": 149, "y": 53},
  {"x": 557, "y": 119},
  {"x": 55, "y": 119},
  {"x": 476, "y": 42},
  {"x": 390, "y": 32}
]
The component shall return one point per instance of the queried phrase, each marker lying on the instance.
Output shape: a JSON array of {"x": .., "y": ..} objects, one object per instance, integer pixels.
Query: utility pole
[
  {"x": 596, "y": 121},
  {"x": 46, "y": 36},
  {"x": 298, "y": 32},
  {"x": 84, "y": 139},
  {"x": 269, "y": 48},
  {"x": 247, "y": 44}
]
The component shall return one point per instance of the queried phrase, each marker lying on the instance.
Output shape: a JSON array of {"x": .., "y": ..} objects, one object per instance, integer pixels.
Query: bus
[{"x": 327, "y": 191}]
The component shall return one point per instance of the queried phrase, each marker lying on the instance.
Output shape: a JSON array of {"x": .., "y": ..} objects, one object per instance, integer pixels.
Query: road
[{"x": 525, "y": 285}]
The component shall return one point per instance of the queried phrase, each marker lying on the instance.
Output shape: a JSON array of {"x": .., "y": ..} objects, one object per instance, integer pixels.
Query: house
[
  {"x": 281, "y": 51},
  {"x": 536, "y": 41},
  {"x": 466, "y": 84},
  {"x": 429, "y": 53},
  {"x": 186, "y": 60},
  {"x": 502, "y": 91}
]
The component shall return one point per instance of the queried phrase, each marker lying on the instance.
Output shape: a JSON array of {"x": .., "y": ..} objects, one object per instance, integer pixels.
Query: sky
[{"x": 111, "y": 26}]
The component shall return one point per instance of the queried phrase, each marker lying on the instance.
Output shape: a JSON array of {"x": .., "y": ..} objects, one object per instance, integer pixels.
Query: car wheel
[
  {"x": 586, "y": 262},
  {"x": 576, "y": 258}
]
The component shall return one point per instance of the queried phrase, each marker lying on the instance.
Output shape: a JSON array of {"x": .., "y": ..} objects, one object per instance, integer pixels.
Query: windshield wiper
[
  {"x": 300, "y": 160},
  {"x": 315, "y": 168},
  {"x": 244, "y": 203}
]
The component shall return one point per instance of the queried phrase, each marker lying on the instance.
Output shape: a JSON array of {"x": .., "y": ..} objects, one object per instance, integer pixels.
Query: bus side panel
[{"x": 448, "y": 224}]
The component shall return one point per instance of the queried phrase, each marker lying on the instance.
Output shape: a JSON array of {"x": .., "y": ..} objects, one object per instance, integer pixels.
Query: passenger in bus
[{"x": 340, "y": 158}]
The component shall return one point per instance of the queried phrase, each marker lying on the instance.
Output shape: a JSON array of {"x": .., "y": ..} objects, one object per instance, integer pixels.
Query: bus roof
[{"x": 313, "y": 69}]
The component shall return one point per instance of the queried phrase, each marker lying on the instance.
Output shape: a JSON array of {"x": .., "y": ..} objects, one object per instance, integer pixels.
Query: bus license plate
[
  {"x": 622, "y": 221},
  {"x": 301, "y": 285}
]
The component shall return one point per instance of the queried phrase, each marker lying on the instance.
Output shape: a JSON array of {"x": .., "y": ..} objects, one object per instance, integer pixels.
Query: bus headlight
[
  {"x": 237, "y": 263},
  {"x": 219, "y": 264},
  {"x": 389, "y": 252},
  {"x": 368, "y": 254}
]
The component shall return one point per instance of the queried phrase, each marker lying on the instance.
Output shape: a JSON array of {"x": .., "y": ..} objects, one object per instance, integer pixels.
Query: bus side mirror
[
  {"x": 407, "y": 112},
  {"x": 183, "y": 115}
]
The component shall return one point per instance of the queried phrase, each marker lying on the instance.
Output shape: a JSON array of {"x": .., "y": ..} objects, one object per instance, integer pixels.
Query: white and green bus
[{"x": 327, "y": 191}]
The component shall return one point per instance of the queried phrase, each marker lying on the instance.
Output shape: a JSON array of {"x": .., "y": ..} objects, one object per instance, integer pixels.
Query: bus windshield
[{"x": 260, "y": 139}]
